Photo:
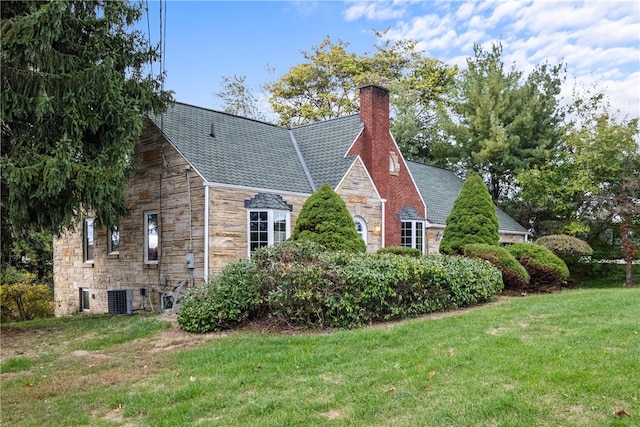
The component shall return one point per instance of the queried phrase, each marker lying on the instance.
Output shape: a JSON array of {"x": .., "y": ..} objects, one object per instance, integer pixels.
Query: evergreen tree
[
  {"x": 75, "y": 93},
  {"x": 324, "y": 219},
  {"x": 473, "y": 218}
]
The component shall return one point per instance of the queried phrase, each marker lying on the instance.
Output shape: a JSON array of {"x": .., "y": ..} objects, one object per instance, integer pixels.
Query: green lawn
[{"x": 566, "y": 359}]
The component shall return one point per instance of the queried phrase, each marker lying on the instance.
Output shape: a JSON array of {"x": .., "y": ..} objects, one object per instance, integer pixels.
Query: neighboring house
[{"x": 211, "y": 188}]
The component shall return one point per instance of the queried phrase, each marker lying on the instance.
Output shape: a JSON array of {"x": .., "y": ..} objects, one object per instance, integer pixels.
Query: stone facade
[{"x": 159, "y": 184}]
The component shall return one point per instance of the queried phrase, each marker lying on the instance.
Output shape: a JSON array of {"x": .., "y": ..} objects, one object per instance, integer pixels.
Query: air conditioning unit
[{"x": 120, "y": 301}]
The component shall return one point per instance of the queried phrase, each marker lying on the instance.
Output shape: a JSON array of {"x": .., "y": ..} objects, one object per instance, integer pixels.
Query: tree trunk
[{"x": 629, "y": 250}]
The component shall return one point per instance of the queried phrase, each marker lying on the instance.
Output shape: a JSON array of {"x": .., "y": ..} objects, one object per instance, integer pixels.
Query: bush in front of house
[
  {"x": 21, "y": 298},
  {"x": 303, "y": 287},
  {"x": 400, "y": 250},
  {"x": 472, "y": 219},
  {"x": 514, "y": 275},
  {"x": 547, "y": 272},
  {"x": 573, "y": 252},
  {"x": 224, "y": 301},
  {"x": 324, "y": 219}
]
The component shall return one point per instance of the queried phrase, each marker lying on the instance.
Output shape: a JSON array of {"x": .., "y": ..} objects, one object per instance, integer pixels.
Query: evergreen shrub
[
  {"x": 472, "y": 219},
  {"x": 400, "y": 250},
  {"x": 514, "y": 275},
  {"x": 325, "y": 219},
  {"x": 547, "y": 272}
]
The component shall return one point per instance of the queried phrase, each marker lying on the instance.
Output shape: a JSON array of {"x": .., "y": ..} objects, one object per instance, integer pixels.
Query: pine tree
[
  {"x": 75, "y": 94},
  {"x": 473, "y": 218},
  {"x": 324, "y": 219}
]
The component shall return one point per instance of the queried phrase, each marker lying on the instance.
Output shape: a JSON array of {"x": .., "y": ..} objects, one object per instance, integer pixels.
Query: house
[{"x": 211, "y": 187}]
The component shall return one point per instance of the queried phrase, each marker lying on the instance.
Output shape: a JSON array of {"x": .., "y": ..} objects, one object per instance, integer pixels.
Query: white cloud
[
  {"x": 597, "y": 40},
  {"x": 374, "y": 11}
]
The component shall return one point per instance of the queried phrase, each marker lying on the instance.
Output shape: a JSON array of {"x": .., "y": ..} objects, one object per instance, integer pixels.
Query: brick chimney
[{"x": 384, "y": 162}]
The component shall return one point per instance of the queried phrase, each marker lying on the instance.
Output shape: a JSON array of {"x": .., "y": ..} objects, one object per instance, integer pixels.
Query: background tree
[
  {"x": 473, "y": 218},
  {"x": 325, "y": 219},
  {"x": 325, "y": 85},
  {"x": 500, "y": 124},
  {"x": 238, "y": 98},
  {"x": 75, "y": 93}
]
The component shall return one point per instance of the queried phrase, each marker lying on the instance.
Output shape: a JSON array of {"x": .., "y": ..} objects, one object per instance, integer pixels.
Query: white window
[
  {"x": 267, "y": 228},
  {"x": 88, "y": 240},
  {"x": 84, "y": 299},
  {"x": 411, "y": 234},
  {"x": 151, "y": 237},
  {"x": 394, "y": 164},
  {"x": 113, "y": 240},
  {"x": 361, "y": 228}
]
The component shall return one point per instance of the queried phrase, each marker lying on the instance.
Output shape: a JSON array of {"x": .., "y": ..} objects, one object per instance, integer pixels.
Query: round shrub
[
  {"x": 514, "y": 275},
  {"x": 473, "y": 218},
  {"x": 400, "y": 250},
  {"x": 565, "y": 246},
  {"x": 546, "y": 271},
  {"x": 25, "y": 301},
  {"x": 225, "y": 300},
  {"x": 325, "y": 219}
]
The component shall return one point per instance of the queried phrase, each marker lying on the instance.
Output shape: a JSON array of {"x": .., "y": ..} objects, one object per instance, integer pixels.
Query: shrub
[
  {"x": 565, "y": 246},
  {"x": 226, "y": 300},
  {"x": 401, "y": 250},
  {"x": 514, "y": 275},
  {"x": 473, "y": 218},
  {"x": 25, "y": 301},
  {"x": 324, "y": 219},
  {"x": 547, "y": 272}
]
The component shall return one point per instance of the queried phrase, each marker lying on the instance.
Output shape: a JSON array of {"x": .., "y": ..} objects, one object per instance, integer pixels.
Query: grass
[{"x": 567, "y": 359}]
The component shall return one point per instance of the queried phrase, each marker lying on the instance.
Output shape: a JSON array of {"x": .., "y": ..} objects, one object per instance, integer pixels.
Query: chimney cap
[{"x": 380, "y": 83}]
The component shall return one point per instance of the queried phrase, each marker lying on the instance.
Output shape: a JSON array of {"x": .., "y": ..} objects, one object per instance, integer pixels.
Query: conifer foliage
[
  {"x": 324, "y": 219},
  {"x": 473, "y": 218},
  {"x": 76, "y": 88}
]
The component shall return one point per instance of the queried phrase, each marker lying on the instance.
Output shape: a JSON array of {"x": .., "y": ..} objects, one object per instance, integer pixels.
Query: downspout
[
  {"x": 206, "y": 232},
  {"x": 384, "y": 222}
]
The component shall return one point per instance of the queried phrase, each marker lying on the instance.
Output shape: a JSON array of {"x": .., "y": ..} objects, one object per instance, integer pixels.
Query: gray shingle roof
[
  {"x": 267, "y": 201},
  {"x": 440, "y": 188},
  {"x": 243, "y": 152},
  {"x": 324, "y": 145},
  {"x": 409, "y": 213}
]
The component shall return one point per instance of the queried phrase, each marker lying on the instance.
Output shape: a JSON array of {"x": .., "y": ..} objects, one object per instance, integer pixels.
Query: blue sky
[{"x": 599, "y": 41}]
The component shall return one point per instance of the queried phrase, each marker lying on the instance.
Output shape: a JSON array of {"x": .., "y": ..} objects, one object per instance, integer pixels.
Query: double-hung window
[
  {"x": 411, "y": 234},
  {"x": 151, "y": 237},
  {"x": 88, "y": 246}
]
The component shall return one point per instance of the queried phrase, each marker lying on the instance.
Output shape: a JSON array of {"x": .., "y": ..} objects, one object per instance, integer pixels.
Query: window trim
[
  {"x": 146, "y": 248},
  {"x": 358, "y": 220},
  {"x": 270, "y": 225},
  {"x": 88, "y": 250},
  {"x": 414, "y": 236}
]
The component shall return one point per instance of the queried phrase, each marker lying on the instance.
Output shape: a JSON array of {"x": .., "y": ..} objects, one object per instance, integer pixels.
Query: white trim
[
  {"x": 270, "y": 224},
  {"x": 359, "y": 220},
  {"x": 384, "y": 222},
  {"x": 358, "y": 158},
  {"x": 414, "y": 229},
  {"x": 206, "y": 233},
  {"x": 355, "y": 140}
]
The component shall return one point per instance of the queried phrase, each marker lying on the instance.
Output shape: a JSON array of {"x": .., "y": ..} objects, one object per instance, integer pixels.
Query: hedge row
[{"x": 305, "y": 286}]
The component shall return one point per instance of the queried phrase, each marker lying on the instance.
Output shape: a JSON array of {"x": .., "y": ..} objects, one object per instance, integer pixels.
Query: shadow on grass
[{"x": 601, "y": 276}]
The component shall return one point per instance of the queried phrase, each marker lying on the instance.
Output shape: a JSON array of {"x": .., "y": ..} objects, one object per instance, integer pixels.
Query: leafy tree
[
  {"x": 238, "y": 98},
  {"x": 74, "y": 98},
  {"x": 324, "y": 219},
  {"x": 594, "y": 184},
  {"x": 501, "y": 124},
  {"x": 473, "y": 218},
  {"x": 325, "y": 85}
]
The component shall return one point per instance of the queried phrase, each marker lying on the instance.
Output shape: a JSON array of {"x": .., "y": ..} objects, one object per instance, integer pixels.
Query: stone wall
[{"x": 160, "y": 184}]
